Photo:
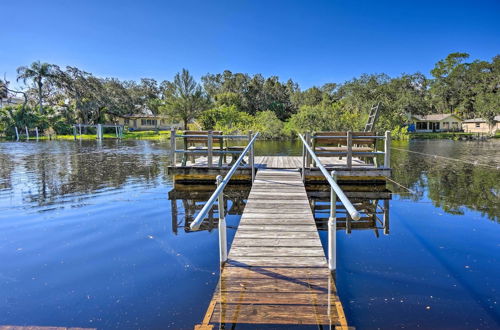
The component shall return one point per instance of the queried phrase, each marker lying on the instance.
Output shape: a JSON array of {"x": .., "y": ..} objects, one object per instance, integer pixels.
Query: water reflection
[
  {"x": 371, "y": 201},
  {"x": 451, "y": 185},
  {"x": 192, "y": 199}
]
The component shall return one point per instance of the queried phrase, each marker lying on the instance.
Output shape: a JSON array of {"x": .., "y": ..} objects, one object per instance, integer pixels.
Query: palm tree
[{"x": 38, "y": 72}]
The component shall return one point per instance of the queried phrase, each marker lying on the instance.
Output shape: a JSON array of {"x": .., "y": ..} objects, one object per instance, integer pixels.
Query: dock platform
[
  {"x": 199, "y": 170},
  {"x": 276, "y": 272}
]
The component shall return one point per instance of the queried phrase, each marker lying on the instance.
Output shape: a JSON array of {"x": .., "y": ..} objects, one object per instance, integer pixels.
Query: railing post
[
  {"x": 172, "y": 145},
  {"x": 387, "y": 149},
  {"x": 304, "y": 151},
  {"x": 210, "y": 148},
  {"x": 349, "y": 149},
  {"x": 332, "y": 228},
  {"x": 222, "y": 225},
  {"x": 308, "y": 157},
  {"x": 251, "y": 159}
]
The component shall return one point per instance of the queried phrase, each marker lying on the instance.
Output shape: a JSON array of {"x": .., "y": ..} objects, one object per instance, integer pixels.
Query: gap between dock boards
[{"x": 276, "y": 272}]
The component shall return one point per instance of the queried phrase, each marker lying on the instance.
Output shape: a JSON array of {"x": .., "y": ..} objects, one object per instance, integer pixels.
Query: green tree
[
  {"x": 37, "y": 72},
  {"x": 185, "y": 98}
]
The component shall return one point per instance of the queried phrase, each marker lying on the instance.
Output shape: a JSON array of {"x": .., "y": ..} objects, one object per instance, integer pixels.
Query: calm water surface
[{"x": 92, "y": 235}]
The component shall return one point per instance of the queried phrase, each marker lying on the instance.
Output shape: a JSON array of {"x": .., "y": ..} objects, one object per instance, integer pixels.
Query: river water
[{"x": 92, "y": 235}]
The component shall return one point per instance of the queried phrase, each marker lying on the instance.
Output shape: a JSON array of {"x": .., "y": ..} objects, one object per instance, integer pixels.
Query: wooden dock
[
  {"x": 276, "y": 272},
  {"x": 200, "y": 171}
]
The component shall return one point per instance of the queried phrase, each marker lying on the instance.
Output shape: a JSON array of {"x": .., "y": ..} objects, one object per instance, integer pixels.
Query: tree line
[{"x": 59, "y": 97}]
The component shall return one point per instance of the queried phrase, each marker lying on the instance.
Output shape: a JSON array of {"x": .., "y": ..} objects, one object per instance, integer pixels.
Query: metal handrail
[
  {"x": 195, "y": 225},
  {"x": 343, "y": 198}
]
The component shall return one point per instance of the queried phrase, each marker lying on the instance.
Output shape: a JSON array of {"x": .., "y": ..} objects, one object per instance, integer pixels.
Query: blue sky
[{"x": 312, "y": 42}]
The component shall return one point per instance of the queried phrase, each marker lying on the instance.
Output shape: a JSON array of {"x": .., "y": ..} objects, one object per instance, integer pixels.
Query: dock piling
[
  {"x": 222, "y": 225},
  {"x": 387, "y": 149},
  {"x": 210, "y": 143},
  {"x": 251, "y": 159},
  {"x": 349, "y": 149}
]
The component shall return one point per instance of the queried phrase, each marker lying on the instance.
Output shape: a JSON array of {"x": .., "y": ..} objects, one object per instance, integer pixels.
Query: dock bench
[
  {"x": 192, "y": 143},
  {"x": 344, "y": 143}
]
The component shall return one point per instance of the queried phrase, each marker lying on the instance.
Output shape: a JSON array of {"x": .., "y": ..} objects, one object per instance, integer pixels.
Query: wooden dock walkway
[{"x": 276, "y": 272}]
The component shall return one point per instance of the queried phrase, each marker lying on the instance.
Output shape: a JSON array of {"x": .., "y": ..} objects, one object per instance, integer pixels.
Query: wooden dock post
[
  {"x": 308, "y": 157},
  {"x": 80, "y": 131},
  {"x": 27, "y": 132},
  {"x": 251, "y": 156},
  {"x": 349, "y": 149},
  {"x": 36, "y": 132},
  {"x": 332, "y": 228},
  {"x": 172, "y": 145},
  {"x": 222, "y": 225},
  {"x": 210, "y": 143},
  {"x": 17, "y": 133},
  {"x": 387, "y": 149},
  {"x": 74, "y": 132}
]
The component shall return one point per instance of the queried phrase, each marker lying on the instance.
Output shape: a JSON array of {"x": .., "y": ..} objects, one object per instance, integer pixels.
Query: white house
[{"x": 443, "y": 122}]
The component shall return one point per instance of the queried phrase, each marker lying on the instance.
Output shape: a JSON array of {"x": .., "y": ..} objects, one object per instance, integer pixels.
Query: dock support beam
[
  {"x": 332, "y": 228},
  {"x": 222, "y": 225},
  {"x": 210, "y": 148},
  {"x": 387, "y": 147},
  {"x": 349, "y": 149}
]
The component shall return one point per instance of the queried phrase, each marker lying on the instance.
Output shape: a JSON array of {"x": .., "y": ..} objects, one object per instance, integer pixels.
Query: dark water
[{"x": 92, "y": 235}]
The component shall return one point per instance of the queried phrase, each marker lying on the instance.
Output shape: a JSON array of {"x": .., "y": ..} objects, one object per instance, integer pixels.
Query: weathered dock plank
[{"x": 276, "y": 272}]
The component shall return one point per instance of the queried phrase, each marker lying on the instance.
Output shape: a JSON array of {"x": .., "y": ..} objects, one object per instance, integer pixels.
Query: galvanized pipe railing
[
  {"x": 343, "y": 198},
  {"x": 218, "y": 195},
  {"x": 335, "y": 192}
]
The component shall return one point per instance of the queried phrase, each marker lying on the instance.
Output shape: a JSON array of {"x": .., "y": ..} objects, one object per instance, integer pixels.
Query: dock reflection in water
[
  {"x": 192, "y": 199},
  {"x": 372, "y": 201}
]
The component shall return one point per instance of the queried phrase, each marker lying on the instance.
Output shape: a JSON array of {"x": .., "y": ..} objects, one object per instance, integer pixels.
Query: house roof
[
  {"x": 480, "y": 120},
  {"x": 142, "y": 112},
  {"x": 141, "y": 116},
  {"x": 434, "y": 117}
]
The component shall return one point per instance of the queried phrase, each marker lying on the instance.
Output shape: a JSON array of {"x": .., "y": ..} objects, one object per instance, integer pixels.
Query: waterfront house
[
  {"x": 144, "y": 121},
  {"x": 481, "y": 125},
  {"x": 442, "y": 122}
]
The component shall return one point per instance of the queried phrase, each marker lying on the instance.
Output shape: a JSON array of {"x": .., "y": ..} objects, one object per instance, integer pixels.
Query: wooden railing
[
  {"x": 350, "y": 145},
  {"x": 218, "y": 195},
  {"x": 208, "y": 139}
]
